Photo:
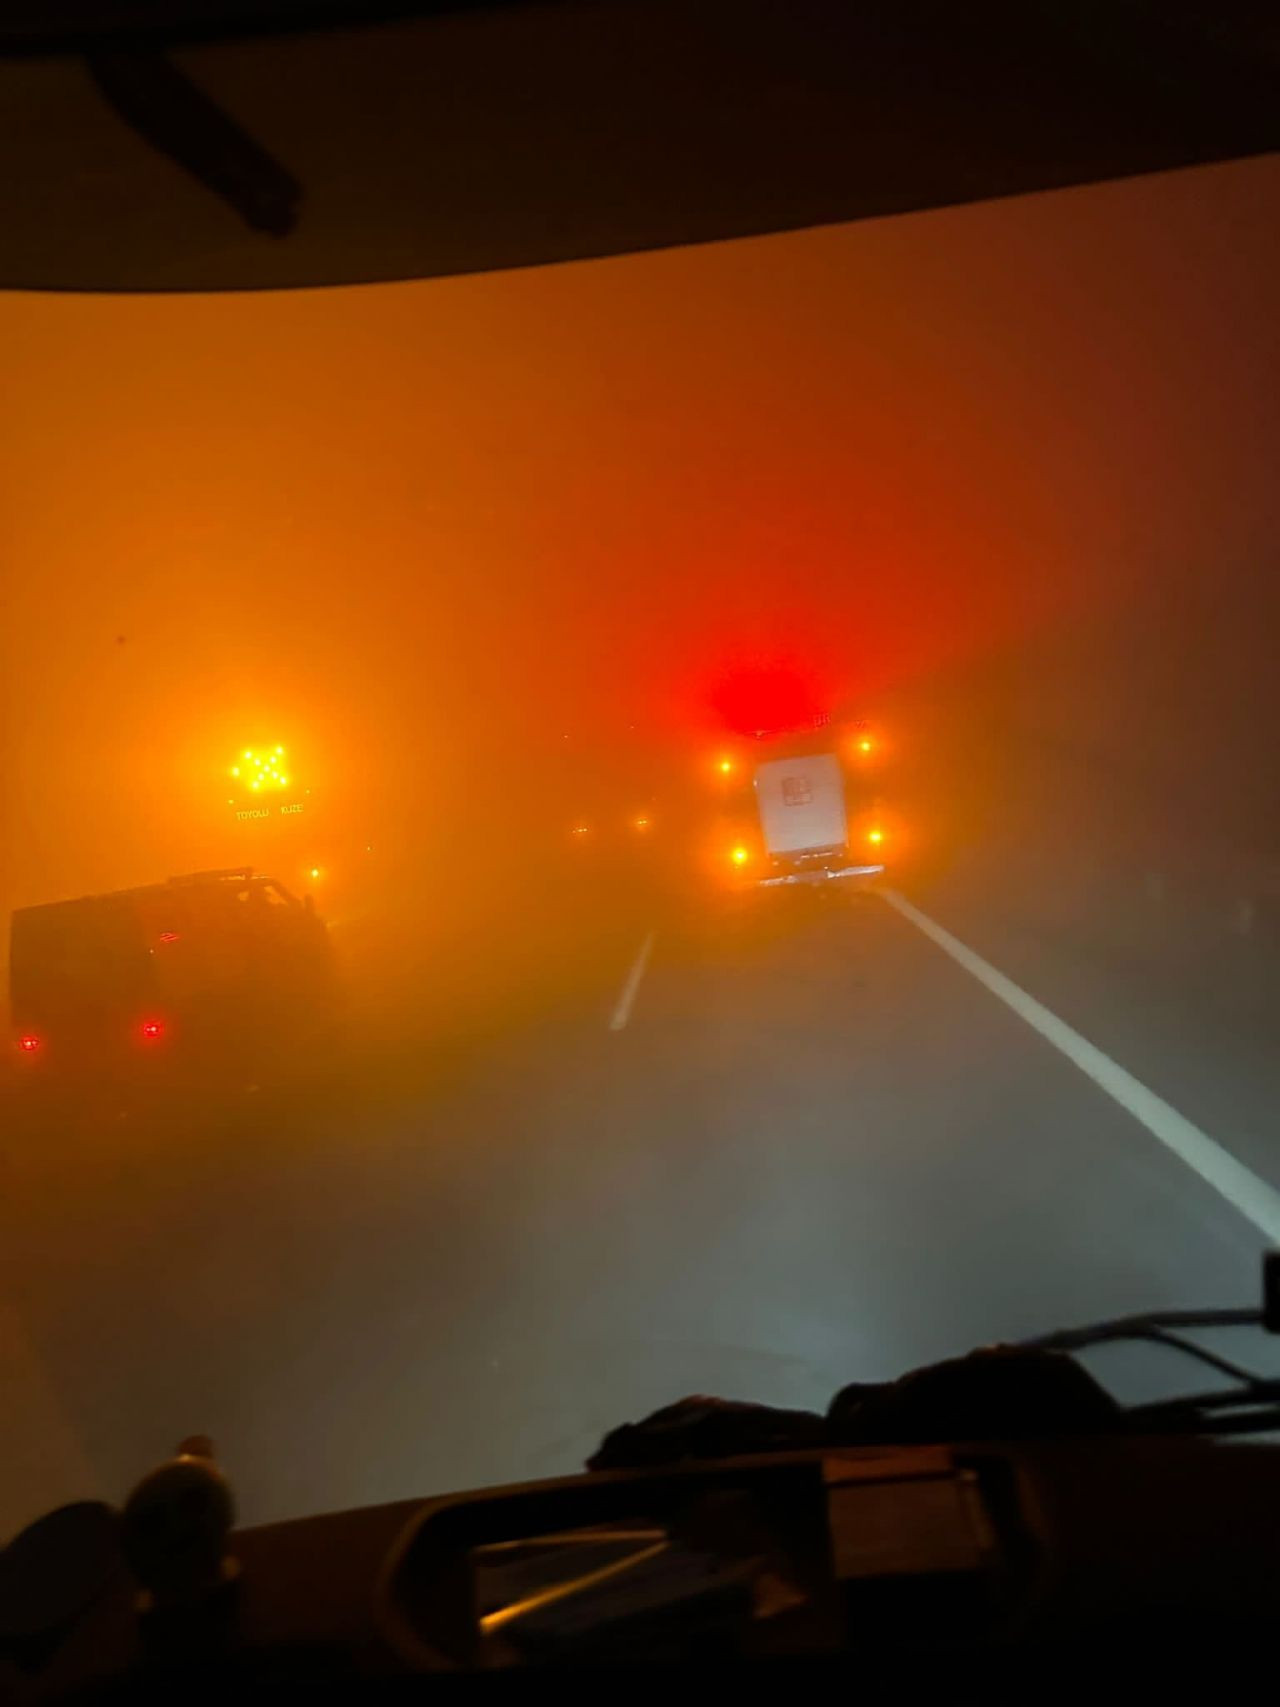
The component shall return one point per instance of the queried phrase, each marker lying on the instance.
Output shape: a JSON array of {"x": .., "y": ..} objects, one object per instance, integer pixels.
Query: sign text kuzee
[{"x": 268, "y": 811}]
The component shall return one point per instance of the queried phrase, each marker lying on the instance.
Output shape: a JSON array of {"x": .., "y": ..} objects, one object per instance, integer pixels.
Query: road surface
[{"x": 757, "y": 1147}]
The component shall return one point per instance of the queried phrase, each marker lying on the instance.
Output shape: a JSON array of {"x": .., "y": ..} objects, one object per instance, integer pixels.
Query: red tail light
[
  {"x": 152, "y": 1030},
  {"x": 28, "y": 1043}
]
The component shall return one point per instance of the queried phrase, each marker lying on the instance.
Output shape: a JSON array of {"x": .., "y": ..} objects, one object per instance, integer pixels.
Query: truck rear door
[{"x": 801, "y": 804}]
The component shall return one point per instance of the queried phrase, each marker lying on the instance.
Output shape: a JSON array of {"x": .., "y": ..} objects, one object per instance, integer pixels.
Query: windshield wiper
[
  {"x": 1160, "y": 1327},
  {"x": 1251, "y": 1405}
]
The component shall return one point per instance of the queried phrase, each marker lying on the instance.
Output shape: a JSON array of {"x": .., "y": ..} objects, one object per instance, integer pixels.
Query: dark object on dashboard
[
  {"x": 51, "y": 1574},
  {"x": 1003, "y": 1393},
  {"x": 1000, "y": 1393},
  {"x": 175, "y": 1528},
  {"x": 701, "y": 1427}
]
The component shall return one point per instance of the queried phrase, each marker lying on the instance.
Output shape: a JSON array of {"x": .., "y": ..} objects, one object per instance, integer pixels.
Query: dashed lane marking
[{"x": 626, "y": 1000}]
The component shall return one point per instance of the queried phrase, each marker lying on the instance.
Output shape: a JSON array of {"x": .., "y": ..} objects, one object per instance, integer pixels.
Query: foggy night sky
[{"x": 410, "y": 527}]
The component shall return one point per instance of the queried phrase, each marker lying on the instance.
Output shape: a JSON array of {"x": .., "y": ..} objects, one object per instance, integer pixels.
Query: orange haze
[{"x": 416, "y": 530}]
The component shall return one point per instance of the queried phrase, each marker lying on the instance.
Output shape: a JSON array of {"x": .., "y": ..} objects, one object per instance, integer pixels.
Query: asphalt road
[{"x": 757, "y": 1147}]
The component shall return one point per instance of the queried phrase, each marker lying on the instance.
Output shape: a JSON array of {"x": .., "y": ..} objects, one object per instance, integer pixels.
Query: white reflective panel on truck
[{"x": 801, "y": 802}]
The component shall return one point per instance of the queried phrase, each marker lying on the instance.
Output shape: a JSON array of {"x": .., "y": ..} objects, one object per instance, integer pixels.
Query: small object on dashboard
[{"x": 175, "y": 1527}]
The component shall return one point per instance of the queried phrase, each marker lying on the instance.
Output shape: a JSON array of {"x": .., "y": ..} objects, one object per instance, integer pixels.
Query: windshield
[{"x": 777, "y": 743}]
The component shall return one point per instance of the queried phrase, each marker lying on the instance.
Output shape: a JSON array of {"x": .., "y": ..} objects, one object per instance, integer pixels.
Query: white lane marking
[
  {"x": 1240, "y": 1186},
  {"x": 622, "y": 1012}
]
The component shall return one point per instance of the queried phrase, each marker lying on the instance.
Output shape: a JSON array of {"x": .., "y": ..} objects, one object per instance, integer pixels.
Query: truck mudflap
[{"x": 820, "y": 874}]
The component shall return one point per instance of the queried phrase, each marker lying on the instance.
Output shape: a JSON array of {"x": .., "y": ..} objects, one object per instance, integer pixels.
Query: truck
[{"x": 804, "y": 822}]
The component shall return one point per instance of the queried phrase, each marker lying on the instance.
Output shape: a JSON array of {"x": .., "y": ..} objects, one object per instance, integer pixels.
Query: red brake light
[
  {"x": 28, "y": 1043},
  {"x": 152, "y": 1029}
]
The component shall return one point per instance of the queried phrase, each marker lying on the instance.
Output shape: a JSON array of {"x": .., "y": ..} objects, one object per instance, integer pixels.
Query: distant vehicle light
[
  {"x": 168, "y": 936},
  {"x": 725, "y": 766},
  {"x": 581, "y": 829},
  {"x": 642, "y": 823},
  {"x": 152, "y": 1030},
  {"x": 28, "y": 1043},
  {"x": 740, "y": 855},
  {"x": 875, "y": 835},
  {"x": 865, "y": 746},
  {"x": 314, "y": 872}
]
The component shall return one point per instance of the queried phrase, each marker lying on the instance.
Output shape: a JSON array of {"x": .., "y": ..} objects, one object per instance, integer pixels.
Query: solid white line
[
  {"x": 1240, "y": 1186},
  {"x": 622, "y": 1013}
]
